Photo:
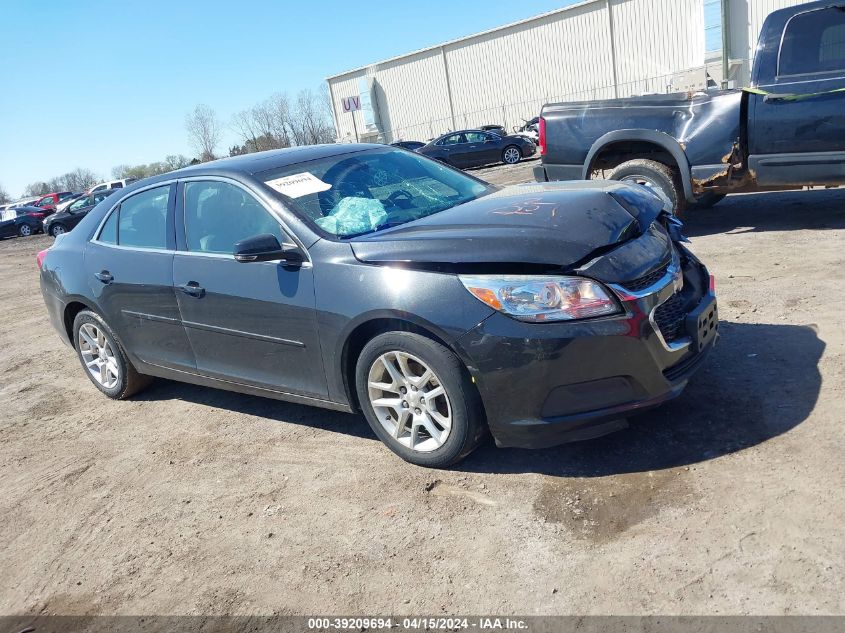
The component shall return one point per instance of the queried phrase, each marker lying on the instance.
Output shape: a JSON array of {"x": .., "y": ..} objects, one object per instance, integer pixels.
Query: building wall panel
[{"x": 505, "y": 75}]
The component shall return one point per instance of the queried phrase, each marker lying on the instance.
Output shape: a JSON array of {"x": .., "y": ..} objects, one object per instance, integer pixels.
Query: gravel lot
[{"x": 188, "y": 500}]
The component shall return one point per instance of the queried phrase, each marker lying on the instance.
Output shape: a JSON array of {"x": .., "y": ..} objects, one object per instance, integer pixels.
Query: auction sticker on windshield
[{"x": 299, "y": 185}]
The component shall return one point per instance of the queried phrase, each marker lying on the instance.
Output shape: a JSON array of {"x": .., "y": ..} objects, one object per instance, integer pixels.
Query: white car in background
[{"x": 111, "y": 184}]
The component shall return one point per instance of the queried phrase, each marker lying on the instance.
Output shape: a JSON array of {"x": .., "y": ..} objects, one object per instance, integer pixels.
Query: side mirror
[{"x": 266, "y": 248}]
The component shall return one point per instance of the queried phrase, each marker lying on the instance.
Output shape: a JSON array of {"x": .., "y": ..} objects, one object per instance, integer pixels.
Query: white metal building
[{"x": 592, "y": 50}]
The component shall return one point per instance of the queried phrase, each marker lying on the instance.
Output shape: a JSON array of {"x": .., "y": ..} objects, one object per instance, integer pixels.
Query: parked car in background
[
  {"x": 112, "y": 184},
  {"x": 339, "y": 276},
  {"x": 496, "y": 129},
  {"x": 39, "y": 213},
  {"x": 63, "y": 221},
  {"x": 23, "y": 202},
  {"x": 786, "y": 132},
  {"x": 24, "y": 223},
  {"x": 51, "y": 200},
  {"x": 473, "y": 148},
  {"x": 68, "y": 201},
  {"x": 411, "y": 145}
]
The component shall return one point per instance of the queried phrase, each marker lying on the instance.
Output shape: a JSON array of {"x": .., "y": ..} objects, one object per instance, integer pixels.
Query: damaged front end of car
[{"x": 598, "y": 309}]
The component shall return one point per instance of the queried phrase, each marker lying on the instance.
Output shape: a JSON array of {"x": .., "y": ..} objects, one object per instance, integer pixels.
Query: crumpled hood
[{"x": 557, "y": 223}]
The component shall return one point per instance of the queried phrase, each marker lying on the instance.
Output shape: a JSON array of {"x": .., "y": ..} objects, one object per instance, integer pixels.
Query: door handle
[
  {"x": 104, "y": 276},
  {"x": 192, "y": 288}
]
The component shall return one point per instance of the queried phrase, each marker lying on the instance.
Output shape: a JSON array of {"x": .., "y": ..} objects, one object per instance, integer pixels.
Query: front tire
[
  {"x": 511, "y": 155},
  {"x": 418, "y": 399},
  {"x": 659, "y": 178},
  {"x": 103, "y": 359},
  {"x": 24, "y": 230},
  {"x": 57, "y": 229}
]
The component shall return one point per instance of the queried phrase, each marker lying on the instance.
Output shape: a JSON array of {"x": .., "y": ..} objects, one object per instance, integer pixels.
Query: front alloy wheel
[
  {"x": 56, "y": 230},
  {"x": 410, "y": 401},
  {"x": 418, "y": 399},
  {"x": 25, "y": 230}
]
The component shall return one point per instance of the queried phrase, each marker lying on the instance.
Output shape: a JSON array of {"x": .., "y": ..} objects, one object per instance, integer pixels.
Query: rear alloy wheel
[
  {"x": 418, "y": 399},
  {"x": 511, "y": 155},
  {"x": 104, "y": 361},
  {"x": 661, "y": 179},
  {"x": 57, "y": 229},
  {"x": 24, "y": 230}
]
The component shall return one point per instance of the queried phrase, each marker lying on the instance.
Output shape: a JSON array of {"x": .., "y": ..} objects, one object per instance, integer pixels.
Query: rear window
[{"x": 813, "y": 42}]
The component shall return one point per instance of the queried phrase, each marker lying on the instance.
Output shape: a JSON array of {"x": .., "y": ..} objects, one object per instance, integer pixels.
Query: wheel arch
[
  {"x": 641, "y": 144},
  {"x": 365, "y": 330},
  {"x": 71, "y": 309}
]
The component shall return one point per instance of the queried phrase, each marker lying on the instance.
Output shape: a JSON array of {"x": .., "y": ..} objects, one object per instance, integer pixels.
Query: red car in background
[{"x": 49, "y": 201}]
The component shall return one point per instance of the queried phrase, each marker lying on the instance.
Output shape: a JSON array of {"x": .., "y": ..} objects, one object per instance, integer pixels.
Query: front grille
[
  {"x": 670, "y": 316},
  {"x": 649, "y": 279}
]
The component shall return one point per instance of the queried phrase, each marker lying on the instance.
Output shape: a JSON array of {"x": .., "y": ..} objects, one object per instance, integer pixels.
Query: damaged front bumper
[{"x": 547, "y": 384}]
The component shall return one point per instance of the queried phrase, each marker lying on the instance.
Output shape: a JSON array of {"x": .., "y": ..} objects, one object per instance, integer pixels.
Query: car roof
[
  {"x": 257, "y": 162},
  {"x": 275, "y": 158}
]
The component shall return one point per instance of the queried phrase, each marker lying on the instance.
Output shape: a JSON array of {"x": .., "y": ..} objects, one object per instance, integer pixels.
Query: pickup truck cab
[{"x": 786, "y": 131}]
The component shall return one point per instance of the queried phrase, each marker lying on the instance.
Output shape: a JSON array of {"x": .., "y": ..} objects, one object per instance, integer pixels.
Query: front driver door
[{"x": 250, "y": 323}]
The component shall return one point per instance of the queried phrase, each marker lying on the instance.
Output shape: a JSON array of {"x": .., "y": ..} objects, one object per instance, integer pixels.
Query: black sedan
[
  {"x": 368, "y": 278},
  {"x": 26, "y": 221},
  {"x": 64, "y": 221},
  {"x": 473, "y": 148}
]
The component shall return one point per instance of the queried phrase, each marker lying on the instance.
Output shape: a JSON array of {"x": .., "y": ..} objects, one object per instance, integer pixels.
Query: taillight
[
  {"x": 713, "y": 284},
  {"x": 40, "y": 258},
  {"x": 542, "y": 135}
]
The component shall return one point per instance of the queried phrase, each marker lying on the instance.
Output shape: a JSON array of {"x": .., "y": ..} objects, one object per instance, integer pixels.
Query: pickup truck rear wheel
[{"x": 661, "y": 179}]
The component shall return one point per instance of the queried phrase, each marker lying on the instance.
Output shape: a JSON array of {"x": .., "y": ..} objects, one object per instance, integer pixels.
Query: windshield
[{"x": 364, "y": 192}]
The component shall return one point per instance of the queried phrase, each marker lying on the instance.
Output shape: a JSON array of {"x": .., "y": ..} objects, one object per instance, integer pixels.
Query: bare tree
[
  {"x": 4, "y": 197},
  {"x": 77, "y": 180},
  {"x": 204, "y": 131},
  {"x": 310, "y": 122},
  {"x": 264, "y": 126},
  {"x": 37, "y": 189}
]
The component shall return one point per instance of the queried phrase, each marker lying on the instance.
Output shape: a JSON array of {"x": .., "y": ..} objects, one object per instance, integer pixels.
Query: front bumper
[{"x": 548, "y": 384}]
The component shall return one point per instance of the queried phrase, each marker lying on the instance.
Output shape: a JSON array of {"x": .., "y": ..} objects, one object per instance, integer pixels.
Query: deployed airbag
[{"x": 352, "y": 216}]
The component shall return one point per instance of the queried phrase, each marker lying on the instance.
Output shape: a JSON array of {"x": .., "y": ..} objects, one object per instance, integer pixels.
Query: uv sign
[{"x": 350, "y": 104}]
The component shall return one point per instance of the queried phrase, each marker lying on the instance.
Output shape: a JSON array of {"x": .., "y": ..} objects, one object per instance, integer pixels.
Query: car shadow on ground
[
  {"x": 276, "y": 410},
  {"x": 761, "y": 381},
  {"x": 773, "y": 211}
]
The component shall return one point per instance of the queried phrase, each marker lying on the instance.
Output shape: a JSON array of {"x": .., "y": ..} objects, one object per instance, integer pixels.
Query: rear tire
[
  {"x": 435, "y": 422},
  {"x": 24, "y": 230},
  {"x": 661, "y": 179},
  {"x": 103, "y": 359},
  {"x": 511, "y": 155}
]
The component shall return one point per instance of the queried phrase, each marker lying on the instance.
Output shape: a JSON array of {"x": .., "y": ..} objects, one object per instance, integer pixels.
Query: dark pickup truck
[{"x": 786, "y": 132}]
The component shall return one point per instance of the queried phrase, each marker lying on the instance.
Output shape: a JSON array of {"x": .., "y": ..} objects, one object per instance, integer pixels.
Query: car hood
[{"x": 558, "y": 224}]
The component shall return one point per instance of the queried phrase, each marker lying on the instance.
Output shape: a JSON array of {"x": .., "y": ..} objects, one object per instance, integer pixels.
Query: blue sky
[{"x": 96, "y": 83}]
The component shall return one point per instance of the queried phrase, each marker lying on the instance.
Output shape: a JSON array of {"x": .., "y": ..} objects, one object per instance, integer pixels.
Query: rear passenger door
[
  {"x": 129, "y": 266},
  {"x": 250, "y": 323}
]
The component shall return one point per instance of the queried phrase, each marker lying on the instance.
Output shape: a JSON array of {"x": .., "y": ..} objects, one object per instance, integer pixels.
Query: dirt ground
[{"x": 187, "y": 500}]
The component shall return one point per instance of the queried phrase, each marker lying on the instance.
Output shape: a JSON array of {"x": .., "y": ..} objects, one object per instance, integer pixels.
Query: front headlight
[{"x": 541, "y": 299}]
